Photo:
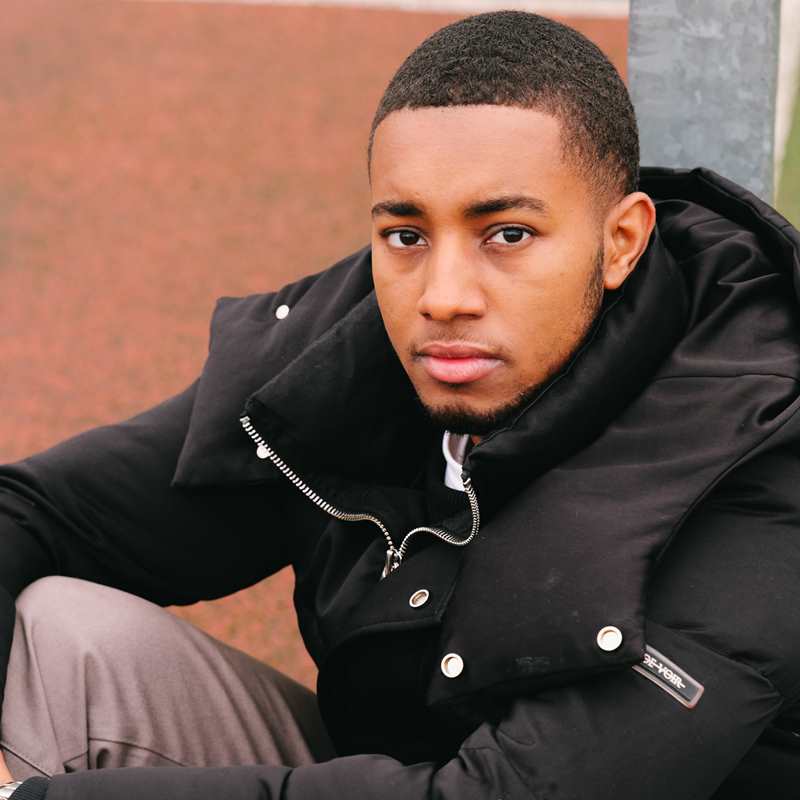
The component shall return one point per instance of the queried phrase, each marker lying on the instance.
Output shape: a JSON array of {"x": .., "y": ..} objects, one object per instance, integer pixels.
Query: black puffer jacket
[{"x": 649, "y": 497}]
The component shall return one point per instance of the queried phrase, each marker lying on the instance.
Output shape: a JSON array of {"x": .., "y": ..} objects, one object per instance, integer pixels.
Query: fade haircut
[{"x": 515, "y": 58}]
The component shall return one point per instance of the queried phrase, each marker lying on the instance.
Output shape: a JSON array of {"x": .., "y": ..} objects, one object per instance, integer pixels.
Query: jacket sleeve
[
  {"x": 724, "y": 607},
  {"x": 99, "y": 506}
]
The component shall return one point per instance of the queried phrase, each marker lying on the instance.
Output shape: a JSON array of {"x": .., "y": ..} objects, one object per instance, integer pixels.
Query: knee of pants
[{"x": 67, "y": 613}]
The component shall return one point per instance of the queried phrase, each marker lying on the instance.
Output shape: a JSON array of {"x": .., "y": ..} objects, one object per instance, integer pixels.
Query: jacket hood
[{"x": 699, "y": 346}]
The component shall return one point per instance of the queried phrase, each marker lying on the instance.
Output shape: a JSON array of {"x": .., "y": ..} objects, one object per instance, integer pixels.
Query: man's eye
[
  {"x": 510, "y": 236},
  {"x": 404, "y": 239}
]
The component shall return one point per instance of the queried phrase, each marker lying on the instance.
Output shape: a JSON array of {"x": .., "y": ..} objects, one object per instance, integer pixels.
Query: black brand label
[{"x": 670, "y": 677}]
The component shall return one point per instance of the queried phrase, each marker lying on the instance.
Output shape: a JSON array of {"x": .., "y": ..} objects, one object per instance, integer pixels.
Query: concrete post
[{"x": 703, "y": 77}]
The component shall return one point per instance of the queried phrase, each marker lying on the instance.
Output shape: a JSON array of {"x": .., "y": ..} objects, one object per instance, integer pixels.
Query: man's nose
[{"x": 451, "y": 286}]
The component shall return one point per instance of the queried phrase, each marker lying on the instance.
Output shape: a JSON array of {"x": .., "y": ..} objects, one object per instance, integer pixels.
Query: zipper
[{"x": 394, "y": 554}]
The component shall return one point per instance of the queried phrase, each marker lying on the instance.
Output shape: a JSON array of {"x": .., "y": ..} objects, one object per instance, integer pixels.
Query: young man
[{"x": 533, "y": 456}]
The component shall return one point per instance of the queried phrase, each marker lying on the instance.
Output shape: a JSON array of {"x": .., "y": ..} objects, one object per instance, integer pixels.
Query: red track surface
[{"x": 155, "y": 157}]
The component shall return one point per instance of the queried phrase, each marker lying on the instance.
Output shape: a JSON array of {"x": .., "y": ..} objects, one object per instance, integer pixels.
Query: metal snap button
[
  {"x": 281, "y": 312},
  {"x": 609, "y": 638},
  {"x": 419, "y": 598},
  {"x": 452, "y": 665}
]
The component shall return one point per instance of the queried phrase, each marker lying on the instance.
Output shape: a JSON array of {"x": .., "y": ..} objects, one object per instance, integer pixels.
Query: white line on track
[{"x": 583, "y": 8}]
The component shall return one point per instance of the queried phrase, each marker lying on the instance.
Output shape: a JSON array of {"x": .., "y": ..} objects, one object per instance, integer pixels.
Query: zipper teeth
[
  {"x": 303, "y": 487},
  {"x": 397, "y": 552},
  {"x": 444, "y": 535}
]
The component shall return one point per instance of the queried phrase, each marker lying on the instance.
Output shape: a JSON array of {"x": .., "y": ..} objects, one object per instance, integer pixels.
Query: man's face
[{"x": 487, "y": 256}]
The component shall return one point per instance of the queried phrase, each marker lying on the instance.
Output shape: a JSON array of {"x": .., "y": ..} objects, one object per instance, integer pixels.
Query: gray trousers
[{"x": 100, "y": 678}]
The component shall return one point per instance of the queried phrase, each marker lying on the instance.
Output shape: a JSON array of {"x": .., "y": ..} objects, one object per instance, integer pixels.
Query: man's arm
[
  {"x": 99, "y": 506},
  {"x": 618, "y": 737},
  {"x": 725, "y": 607}
]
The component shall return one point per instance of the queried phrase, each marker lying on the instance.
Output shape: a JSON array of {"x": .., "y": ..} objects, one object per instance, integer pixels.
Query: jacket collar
[{"x": 344, "y": 410}]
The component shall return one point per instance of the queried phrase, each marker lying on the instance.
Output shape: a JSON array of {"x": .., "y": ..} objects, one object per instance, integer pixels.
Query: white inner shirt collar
[{"x": 454, "y": 448}]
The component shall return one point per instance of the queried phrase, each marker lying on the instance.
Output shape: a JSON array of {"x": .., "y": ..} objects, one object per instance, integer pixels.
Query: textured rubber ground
[{"x": 154, "y": 157}]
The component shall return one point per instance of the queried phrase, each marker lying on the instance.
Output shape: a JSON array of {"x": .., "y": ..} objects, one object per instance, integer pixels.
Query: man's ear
[{"x": 627, "y": 230}]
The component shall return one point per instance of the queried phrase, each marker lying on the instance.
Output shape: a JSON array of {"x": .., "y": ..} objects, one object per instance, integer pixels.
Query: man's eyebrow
[
  {"x": 506, "y": 203},
  {"x": 396, "y": 208},
  {"x": 400, "y": 208}
]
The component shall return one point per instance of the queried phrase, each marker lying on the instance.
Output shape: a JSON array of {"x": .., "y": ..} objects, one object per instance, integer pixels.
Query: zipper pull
[{"x": 393, "y": 559}]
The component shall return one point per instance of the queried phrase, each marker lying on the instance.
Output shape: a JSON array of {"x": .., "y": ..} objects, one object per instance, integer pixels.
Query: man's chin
[{"x": 460, "y": 418}]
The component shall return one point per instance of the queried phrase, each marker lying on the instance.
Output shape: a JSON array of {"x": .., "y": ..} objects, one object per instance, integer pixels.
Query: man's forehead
[
  {"x": 468, "y": 156},
  {"x": 449, "y": 131}
]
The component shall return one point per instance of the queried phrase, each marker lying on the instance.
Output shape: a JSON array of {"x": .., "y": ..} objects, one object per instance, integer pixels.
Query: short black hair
[{"x": 515, "y": 58}]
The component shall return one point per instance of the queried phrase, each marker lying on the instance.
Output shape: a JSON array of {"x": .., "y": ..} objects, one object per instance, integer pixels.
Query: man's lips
[{"x": 456, "y": 363}]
